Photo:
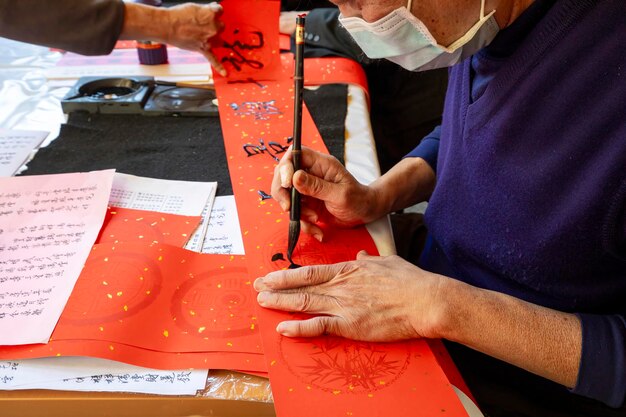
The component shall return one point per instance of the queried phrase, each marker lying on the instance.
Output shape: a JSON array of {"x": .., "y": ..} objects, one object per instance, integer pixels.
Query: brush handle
[
  {"x": 294, "y": 212},
  {"x": 298, "y": 78}
]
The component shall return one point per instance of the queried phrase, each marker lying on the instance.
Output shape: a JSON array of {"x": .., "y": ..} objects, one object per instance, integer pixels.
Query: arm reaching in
[
  {"x": 188, "y": 26},
  {"x": 388, "y": 299},
  {"x": 91, "y": 27}
]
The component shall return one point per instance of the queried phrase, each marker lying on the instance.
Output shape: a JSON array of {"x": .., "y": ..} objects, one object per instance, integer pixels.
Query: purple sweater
[{"x": 531, "y": 176}]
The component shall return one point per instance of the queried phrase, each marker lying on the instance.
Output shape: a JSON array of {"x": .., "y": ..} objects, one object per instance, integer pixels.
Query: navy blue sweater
[{"x": 531, "y": 175}]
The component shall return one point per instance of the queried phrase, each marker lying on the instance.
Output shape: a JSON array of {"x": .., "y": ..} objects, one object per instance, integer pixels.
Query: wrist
[
  {"x": 409, "y": 182},
  {"x": 449, "y": 309},
  {"x": 148, "y": 23},
  {"x": 375, "y": 203}
]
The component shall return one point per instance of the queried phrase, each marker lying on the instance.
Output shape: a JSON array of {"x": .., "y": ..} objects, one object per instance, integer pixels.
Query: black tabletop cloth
[{"x": 174, "y": 148}]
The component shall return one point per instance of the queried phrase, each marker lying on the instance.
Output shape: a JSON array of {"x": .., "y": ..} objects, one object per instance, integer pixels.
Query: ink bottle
[{"x": 151, "y": 53}]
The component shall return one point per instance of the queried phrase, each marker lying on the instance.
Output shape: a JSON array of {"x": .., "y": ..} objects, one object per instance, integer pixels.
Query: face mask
[{"x": 402, "y": 38}]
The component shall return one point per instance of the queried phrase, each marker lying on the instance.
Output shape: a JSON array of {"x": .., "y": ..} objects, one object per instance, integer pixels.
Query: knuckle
[
  {"x": 394, "y": 259},
  {"x": 304, "y": 302},
  {"x": 333, "y": 159},
  {"x": 315, "y": 187},
  {"x": 325, "y": 325},
  {"x": 310, "y": 275},
  {"x": 349, "y": 267},
  {"x": 277, "y": 281}
]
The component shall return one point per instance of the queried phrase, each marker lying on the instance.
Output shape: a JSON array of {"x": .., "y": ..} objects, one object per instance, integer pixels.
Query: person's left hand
[
  {"x": 374, "y": 298},
  {"x": 287, "y": 22},
  {"x": 192, "y": 27}
]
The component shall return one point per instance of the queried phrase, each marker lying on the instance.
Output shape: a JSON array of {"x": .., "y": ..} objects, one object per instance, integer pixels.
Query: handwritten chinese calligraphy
[
  {"x": 48, "y": 224},
  {"x": 224, "y": 233},
  {"x": 237, "y": 56},
  {"x": 15, "y": 147},
  {"x": 261, "y": 110},
  {"x": 274, "y": 149},
  {"x": 91, "y": 374},
  {"x": 249, "y": 48}
]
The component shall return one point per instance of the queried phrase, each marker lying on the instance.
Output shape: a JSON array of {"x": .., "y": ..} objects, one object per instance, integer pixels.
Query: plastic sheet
[
  {"x": 230, "y": 385},
  {"x": 26, "y": 100}
]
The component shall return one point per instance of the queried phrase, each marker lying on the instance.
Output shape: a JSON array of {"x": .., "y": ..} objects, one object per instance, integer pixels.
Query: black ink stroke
[{"x": 237, "y": 48}]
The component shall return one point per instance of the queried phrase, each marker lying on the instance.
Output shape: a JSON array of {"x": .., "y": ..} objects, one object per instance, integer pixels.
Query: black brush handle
[{"x": 298, "y": 79}]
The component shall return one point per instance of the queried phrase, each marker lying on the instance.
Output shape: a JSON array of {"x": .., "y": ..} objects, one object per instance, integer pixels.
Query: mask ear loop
[
  {"x": 482, "y": 9},
  {"x": 408, "y": 6}
]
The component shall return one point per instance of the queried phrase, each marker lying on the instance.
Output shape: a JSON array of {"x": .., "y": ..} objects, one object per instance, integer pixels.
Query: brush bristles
[{"x": 294, "y": 234}]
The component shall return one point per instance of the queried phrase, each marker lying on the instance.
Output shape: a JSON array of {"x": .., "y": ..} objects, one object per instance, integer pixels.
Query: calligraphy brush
[
  {"x": 182, "y": 85},
  {"x": 151, "y": 84},
  {"x": 298, "y": 78}
]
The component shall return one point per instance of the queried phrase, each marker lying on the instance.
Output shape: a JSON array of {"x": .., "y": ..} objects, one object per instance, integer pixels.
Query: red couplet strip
[{"x": 326, "y": 375}]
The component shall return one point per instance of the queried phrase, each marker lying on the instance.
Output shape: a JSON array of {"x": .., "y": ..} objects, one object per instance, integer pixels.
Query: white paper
[
  {"x": 223, "y": 235},
  {"x": 48, "y": 224},
  {"x": 186, "y": 198},
  {"x": 179, "y": 71},
  {"x": 16, "y": 147},
  {"x": 191, "y": 79},
  {"x": 92, "y": 374},
  {"x": 195, "y": 241}
]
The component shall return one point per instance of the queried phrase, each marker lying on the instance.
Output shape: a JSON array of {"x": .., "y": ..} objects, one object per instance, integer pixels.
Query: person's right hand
[
  {"x": 193, "y": 25},
  {"x": 188, "y": 26},
  {"x": 331, "y": 195}
]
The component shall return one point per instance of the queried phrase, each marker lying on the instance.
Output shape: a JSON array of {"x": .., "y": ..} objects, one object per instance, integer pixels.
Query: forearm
[
  {"x": 143, "y": 22},
  {"x": 409, "y": 182},
  {"x": 540, "y": 340}
]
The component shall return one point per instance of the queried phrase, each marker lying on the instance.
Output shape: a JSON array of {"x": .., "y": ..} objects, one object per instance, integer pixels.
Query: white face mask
[{"x": 402, "y": 38}]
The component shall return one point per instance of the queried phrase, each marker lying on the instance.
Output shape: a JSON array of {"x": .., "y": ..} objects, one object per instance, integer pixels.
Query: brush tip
[{"x": 294, "y": 233}]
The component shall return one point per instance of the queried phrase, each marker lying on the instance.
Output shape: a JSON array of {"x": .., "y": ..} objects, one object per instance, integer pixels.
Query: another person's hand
[
  {"x": 331, "y": 195},
  {"x": 192, "y": 26},
  {"x": 287, "y": 22},
  {"x": 374, "y": 298},
  {"x": 189, "y": 26}
]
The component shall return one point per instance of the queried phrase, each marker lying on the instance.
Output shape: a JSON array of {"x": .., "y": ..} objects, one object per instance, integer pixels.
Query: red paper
[
  {"x": 127, "y": 225},
  {"x": 326, "y": 375},
  {"x": 247, "y": 362},
  {"x": 248, "y": 47},
  {"x": 164, "y": 298},
  {"x": 329, "y": 70},
  {"x": 160, "y": 306}
]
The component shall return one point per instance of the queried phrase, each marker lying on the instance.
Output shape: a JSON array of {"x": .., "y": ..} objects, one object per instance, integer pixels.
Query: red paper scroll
[
  {"x": 163, "y": 298},
  {"x": 318, "y": 376},
  {"x": 247, "y": 362},
  {"x": 248, "y": 47},
  {"x": 158, "y": 298},
  {"x": 127, "y": 225}
]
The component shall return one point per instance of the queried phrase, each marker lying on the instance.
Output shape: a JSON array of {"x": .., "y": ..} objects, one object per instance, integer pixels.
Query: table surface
[{"x": 22, "y": 72}]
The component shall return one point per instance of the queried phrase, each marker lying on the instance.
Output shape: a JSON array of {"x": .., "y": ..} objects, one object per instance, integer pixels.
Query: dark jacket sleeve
[
  {"x": 88, "y": 27},
  {"x": 324, "y": 36},
  {"x": 602, "y": 373}
]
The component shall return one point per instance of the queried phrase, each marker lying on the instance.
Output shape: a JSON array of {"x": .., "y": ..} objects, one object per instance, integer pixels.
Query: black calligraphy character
[
  {"x": 261, "y": 110},
  {"x": 236, "y": 57},
  {"x": 274, "y": 149},
  {"x": 264, "y": 195}
]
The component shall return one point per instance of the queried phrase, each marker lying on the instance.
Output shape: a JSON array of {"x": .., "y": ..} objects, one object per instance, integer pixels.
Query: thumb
[
  {"x": 364, "y": 256},
  {"x": 316, "y": 187},
  {"x": 214, "y": 62},
  {"x": 317, "y": 326}
]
